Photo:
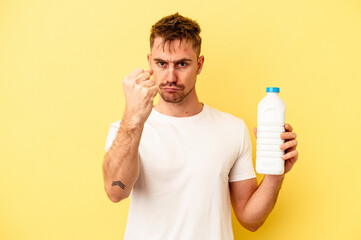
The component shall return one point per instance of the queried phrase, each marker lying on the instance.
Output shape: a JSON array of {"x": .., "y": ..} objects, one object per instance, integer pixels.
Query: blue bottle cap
[{"x": 273, "y": 89}]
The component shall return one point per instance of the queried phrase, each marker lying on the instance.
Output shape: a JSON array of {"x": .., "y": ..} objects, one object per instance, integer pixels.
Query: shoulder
[{"x": 226, "y": 117}]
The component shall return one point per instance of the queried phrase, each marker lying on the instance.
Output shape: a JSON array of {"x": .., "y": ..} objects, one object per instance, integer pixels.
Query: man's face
[{"x": 175, "y": 68}]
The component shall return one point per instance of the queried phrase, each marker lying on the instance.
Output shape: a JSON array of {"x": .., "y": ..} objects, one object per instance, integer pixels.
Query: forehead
[{"x": 173, "y": 49}]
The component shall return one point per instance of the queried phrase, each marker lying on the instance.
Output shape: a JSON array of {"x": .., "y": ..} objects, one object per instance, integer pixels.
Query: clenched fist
[{"x": 139, "y": 91}]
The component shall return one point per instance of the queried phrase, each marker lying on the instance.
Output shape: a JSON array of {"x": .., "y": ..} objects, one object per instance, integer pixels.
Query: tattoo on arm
[{"x": 118, "y": 183}]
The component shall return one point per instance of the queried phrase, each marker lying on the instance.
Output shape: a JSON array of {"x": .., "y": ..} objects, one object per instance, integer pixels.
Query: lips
[{"x": 171, "y": 89}]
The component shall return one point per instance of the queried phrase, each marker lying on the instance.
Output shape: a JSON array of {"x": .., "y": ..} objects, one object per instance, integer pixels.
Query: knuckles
[
  {"x": 139, "y": 89},
  {"x": 144, "y": 91},
  {"x": 293, "y": 154},
  {"x": 296, "y": 153},
  {"x": 289, "y": 144},
  {"x": 288, "y": 135},
  {"x": 125, "y": 79},
  {"x": 128, "y": 81}
]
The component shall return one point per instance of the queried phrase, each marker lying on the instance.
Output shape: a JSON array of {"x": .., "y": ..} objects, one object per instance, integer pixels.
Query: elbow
[
  {"x": 253, "y": 227},
  {"x": 116, "y": 197}
]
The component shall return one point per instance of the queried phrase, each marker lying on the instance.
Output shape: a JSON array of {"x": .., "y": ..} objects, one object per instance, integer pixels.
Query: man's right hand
[{"x": 139, "y": 91}]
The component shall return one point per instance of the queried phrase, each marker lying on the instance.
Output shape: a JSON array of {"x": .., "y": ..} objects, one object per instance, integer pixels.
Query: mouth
[{"x": 168, "y": 89}]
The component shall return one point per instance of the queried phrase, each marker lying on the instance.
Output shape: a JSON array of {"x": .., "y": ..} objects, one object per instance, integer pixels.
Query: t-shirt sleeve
[
  {"x": 114, "y": 128},
  {"x": 243, "y": 167}
]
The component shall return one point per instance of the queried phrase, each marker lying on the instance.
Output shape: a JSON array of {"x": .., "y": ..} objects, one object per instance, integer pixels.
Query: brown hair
[{"x": 177, "y": 27}]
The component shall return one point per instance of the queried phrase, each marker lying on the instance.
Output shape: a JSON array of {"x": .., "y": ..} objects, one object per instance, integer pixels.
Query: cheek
[
  {"x": 190, "y": 76},
  {"x": 157, "y": 77}
]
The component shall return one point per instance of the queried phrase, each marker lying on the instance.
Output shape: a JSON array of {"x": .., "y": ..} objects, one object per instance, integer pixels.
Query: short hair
[{"x": 177, "y": 27}]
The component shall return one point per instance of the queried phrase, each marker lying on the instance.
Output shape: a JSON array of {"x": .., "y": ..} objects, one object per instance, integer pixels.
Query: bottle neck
[{"x": 272, "y": 94}]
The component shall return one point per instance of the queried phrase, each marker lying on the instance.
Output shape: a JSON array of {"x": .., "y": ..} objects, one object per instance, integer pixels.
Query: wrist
[
  {"x": 274, "y": 181},
  {"x": 131, "y": 121}
]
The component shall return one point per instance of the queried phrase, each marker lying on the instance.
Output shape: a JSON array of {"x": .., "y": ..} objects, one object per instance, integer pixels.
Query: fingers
[
  {"x": 290, "y": 149},
  {"x": 288, "y": 127},
  {"x": 288, "y": 135},
  {"x": 150, "y": 71},
  {"x": 139, "y": 74},
  {"x": 289, "y": 144},
  {"x": 143, "y": 77},
  {"x": 289, "y": 164},
  {"x": 154, "y": 90},
  {"x": 136, "y": 72},
  {"x": 147, "y": 83},
  {"x": 289, "y": 155}
]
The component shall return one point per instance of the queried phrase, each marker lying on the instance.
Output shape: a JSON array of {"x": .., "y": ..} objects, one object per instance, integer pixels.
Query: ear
[
  {"x": 200, "y": 64},
  {"x": 149, "y": 58}
]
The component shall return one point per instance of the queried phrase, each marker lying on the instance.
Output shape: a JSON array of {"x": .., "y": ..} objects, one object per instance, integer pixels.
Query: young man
[{"x": 183, "y": 162}]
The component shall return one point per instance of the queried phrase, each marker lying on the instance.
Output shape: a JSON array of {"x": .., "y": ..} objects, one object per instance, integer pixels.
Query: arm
[
  {"x": 251, "y": 203},
  {"x": 121, "y": 162}
]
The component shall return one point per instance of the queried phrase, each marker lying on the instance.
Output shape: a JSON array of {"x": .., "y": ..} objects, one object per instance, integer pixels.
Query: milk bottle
[{"x": 270, "y": 121}]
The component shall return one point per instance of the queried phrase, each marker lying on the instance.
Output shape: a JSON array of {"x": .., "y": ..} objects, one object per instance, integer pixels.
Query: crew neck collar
[{"x": 172, "y": 118}]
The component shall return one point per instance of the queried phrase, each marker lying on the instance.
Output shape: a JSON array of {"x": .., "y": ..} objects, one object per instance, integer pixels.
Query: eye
[
  {"x": 182, "y": 64},
  {"x": 161, "y": 64}
]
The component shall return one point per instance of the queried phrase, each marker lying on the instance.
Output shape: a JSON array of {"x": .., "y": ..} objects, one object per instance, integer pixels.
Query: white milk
[{"x": 270, "y": 121}]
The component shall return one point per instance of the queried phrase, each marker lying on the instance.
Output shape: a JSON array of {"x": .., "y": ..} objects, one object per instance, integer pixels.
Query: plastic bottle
[{"x": 270, "y": 121}]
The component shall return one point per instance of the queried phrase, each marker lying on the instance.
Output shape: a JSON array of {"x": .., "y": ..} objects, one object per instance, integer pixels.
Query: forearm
[
  {"x": 262, "y": 201},
  {"x": 121, "y": 163}
]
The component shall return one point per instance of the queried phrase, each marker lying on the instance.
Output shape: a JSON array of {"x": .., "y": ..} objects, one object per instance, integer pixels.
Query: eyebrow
[{"x": 176, "y": 61}]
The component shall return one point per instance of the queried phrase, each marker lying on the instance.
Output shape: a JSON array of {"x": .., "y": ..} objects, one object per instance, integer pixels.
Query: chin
[{"x": 171, "y": 99}]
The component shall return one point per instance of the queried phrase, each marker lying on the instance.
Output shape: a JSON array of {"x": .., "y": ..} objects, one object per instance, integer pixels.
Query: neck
[{"x": 188, "y": 107}]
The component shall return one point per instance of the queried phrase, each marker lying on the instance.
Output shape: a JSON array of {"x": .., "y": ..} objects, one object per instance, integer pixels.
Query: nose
[{"x": 172, "y": 77}]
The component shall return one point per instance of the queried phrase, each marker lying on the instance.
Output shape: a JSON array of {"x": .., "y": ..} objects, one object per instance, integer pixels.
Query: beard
[{"x": 175, "y": 97}]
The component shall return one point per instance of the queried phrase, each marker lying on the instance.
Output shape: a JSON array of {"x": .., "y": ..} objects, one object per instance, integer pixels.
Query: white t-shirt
[{"x": 185, "y": 165}]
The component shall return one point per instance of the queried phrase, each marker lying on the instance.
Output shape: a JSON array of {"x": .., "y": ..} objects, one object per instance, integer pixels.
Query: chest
[{"x": 202, "y": 153}]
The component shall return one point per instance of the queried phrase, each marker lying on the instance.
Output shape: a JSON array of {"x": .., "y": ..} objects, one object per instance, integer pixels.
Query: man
[{"x": 184, "y": 162}]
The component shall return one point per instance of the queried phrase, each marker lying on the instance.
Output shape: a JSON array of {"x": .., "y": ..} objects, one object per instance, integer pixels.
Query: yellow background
[{"x": 61, "y": 67}]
